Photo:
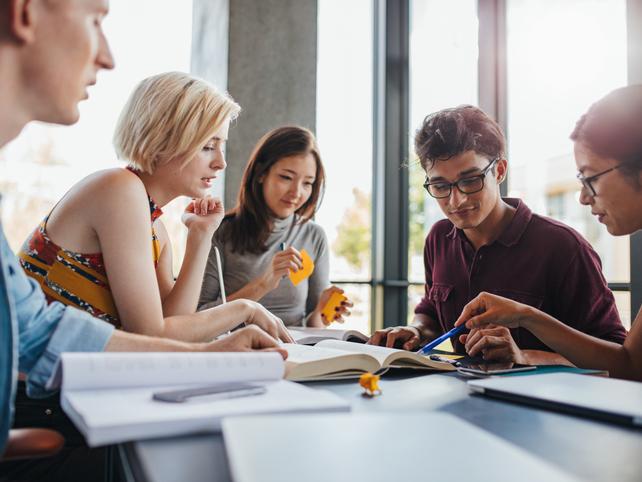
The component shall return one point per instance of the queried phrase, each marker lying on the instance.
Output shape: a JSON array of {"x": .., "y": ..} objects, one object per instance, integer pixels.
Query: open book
[
  {"x": 335, "y": 359},
  {"x": 109, "y": 396},
  {"x": 310, "y": 336}
]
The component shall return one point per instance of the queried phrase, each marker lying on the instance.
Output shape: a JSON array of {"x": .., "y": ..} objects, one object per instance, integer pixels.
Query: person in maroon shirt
[
  {"x": 496, "y": 245},
  {"x": 608, "y": 155}
]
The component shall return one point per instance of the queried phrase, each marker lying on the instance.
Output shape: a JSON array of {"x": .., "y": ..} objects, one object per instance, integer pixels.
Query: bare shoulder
[
  {"x": 113, "y": 195},
  {"x": 110, "y": 197},
  {"x": 118, "y": 185}
]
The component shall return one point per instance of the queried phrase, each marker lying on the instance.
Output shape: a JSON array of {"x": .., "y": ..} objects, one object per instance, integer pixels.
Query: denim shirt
[{"x": 33, "y": 334}]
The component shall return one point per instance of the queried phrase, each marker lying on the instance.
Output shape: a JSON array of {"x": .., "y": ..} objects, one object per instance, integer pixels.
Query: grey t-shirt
[{"x": 290, "y": 303}]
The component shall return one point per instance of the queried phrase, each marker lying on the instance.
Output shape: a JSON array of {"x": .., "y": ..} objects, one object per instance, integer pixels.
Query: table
[{"x": 589, "y": 449}]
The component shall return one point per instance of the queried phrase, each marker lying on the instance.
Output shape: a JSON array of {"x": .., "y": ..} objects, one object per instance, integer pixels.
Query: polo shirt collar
[{"x": 514, "y": 231}]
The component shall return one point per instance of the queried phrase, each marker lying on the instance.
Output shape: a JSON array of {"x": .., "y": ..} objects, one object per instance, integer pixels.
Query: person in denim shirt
[
  {"x": 50, "y": 53},
  {"x": 40, "y": 331}
]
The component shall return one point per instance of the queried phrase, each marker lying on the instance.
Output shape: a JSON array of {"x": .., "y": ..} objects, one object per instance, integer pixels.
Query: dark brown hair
[
  {"x": 450, "y": 132},
  {"x": 248, "y": 226},
  {"x": 612, "y": 128}
]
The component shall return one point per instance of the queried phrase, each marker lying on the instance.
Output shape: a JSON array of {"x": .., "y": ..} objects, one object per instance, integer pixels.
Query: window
[
  {"x": 443, "y": 73},
  {"x": 45, "y": 161},
  {"x": 558, "y": 63},
  {"x": 344, "y": 131}
]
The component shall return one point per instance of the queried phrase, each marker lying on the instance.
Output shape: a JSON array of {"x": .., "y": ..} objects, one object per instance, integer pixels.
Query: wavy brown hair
[
  {"x": 248, "y": 226},
  {"x": 451, "y": 132}
]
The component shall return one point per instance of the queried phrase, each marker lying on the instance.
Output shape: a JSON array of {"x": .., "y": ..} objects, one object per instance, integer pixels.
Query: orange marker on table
[{"x": 370, "y": 382}]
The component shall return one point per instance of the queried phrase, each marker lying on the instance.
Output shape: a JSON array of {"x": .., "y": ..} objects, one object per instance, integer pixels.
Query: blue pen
[{"x": 437, "y": 341}]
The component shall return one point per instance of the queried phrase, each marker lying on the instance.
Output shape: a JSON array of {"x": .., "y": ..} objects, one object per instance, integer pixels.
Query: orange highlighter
[{"x": 329, "y": 310}]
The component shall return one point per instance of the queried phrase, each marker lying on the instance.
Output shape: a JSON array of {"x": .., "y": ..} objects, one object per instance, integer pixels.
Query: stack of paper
[{"x": 108, "y": 396}]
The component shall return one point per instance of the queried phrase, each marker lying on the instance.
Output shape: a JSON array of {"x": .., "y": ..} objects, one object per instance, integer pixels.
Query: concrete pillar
[{"x": 264, "y": 52}]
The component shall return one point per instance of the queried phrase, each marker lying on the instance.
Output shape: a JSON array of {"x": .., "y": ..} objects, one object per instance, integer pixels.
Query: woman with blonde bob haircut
[{"x": 103, "y": 249}]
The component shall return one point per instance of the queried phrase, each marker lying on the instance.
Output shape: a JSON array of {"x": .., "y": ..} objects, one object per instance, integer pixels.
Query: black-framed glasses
[
  {"x": 465, "y": 185},
  {"x": 587, "y": 182}
]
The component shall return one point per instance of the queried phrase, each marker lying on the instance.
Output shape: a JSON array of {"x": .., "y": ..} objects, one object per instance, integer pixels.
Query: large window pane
[
  {"x": 562, "y": 56},
  {"x": 344, "y": 130},
  {"x": 443, "y": 73},
  {"x": 45, "y": 161}
]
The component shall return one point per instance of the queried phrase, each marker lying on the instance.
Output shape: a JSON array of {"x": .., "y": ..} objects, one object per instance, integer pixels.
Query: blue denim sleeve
[{"x": 47, "y": 330}]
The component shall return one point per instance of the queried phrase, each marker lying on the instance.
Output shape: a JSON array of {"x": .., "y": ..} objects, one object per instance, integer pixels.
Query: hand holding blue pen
[{"x": 439, "y": 340}]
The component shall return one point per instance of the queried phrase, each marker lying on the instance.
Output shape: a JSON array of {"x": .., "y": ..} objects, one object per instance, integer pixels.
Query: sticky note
[
  {"x": 329, "y": 309},
  {"x": 308, "y": 267}
]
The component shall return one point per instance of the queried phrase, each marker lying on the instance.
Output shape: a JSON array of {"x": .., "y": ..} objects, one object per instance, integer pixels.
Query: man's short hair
[
  {"x": 168, "y": 116},
  {"x": 450, "y": 132}
]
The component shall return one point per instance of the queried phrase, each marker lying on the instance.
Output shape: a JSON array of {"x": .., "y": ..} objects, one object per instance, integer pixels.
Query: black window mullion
[
  {"x": 636, "y": 274},
  {"x": 491, "y": 67}
]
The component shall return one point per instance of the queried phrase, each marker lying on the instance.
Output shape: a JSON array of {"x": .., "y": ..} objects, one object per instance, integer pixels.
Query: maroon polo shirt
[{"x": 536, "y": 260}]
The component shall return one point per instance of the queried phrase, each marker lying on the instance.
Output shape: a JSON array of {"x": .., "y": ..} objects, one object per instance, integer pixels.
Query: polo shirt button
[{"x": 48, "y": 411}]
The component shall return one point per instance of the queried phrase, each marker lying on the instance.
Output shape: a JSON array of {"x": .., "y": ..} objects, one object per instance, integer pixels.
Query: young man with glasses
[{"x": 496, "y": 245}]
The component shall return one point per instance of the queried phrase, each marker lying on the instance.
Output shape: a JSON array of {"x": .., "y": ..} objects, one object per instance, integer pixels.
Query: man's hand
[
  {"x": 250, "y": 338},
  {"x": 493, "y": 343},
  {"x": 407, "y": 337}
]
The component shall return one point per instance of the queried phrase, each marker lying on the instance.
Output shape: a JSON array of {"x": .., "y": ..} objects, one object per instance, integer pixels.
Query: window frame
[{"x": 391, "y": 107}]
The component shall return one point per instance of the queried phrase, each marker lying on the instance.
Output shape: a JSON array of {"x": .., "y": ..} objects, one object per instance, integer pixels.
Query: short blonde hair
[{"x": 168, "y": 116}]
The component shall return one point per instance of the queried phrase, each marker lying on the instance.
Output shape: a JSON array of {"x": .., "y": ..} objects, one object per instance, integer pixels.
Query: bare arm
[
  {"x": 180, "y": 297},
  {"x": 579, "y": 348},
  {"x": 621, "y": 361},
  {"x": 539, "y": 357},
  {"x": 246, "y": 339},
  {"x": 123, "y": 230},
  {"x": 254, "y": 290}
]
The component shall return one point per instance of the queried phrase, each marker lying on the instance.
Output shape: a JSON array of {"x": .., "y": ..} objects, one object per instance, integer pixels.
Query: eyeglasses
[
  {"x": 465, "y": 185},
  {"x": 587, "y": 182}
]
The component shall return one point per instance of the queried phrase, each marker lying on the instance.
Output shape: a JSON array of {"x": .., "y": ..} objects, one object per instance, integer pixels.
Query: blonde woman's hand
[
  {"x": 249, "y": 338},
  {"x": 204, "y": 215},
  {"x": 271, "y": 324}
]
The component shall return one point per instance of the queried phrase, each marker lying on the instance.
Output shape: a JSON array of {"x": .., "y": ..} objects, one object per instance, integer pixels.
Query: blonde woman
[{"x": 104, "y": 249}]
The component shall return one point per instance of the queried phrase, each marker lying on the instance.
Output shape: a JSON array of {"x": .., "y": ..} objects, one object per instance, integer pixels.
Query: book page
[
  {"x": 303, "y": 353},
  {"x": 378, "y": 352},
  {"x": 89, "y": 371},
  {"x": 314, "y": 335},
  {"x": 387, "y": 356},
  {"x": 314, "y": 362},
  {"x": 114, "y": 416}
]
